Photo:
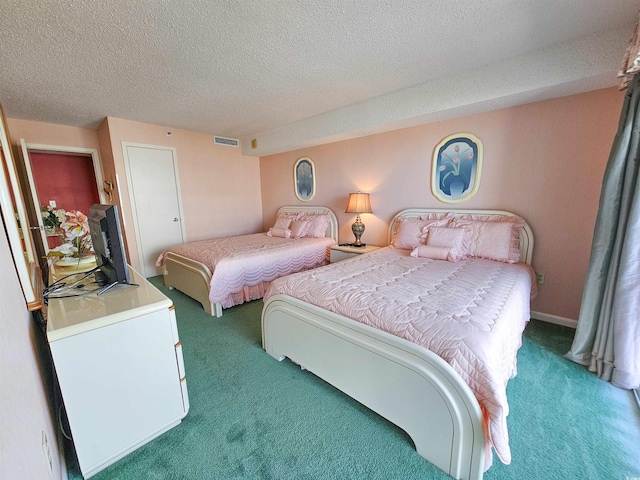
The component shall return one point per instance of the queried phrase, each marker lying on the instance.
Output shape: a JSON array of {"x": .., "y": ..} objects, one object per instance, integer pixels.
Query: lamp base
[{"x": 358, "y": 229}]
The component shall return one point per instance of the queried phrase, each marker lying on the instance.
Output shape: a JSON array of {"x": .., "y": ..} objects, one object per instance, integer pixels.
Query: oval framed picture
[
  {"x": 304, "y": 179},
  {"x": 457, "y": 165}
]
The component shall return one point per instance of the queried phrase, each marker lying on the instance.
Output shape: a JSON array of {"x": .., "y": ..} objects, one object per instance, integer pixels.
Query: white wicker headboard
[
  {"x": 332, "y": 229},
  {"x": 526, "y": 235}
]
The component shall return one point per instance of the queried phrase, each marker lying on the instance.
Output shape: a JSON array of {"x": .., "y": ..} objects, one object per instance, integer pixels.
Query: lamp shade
[{"x": 358, "y": 203}]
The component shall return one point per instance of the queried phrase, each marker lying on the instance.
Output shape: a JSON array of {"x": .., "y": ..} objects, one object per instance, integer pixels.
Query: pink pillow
[
  {"x": 318, "y": 223},
  {"x": 427, "y": 251},
  {"x": 284, "y": 219},
  {"x": 495, "y": 237},
  {"x": 454, "y": 239},
  {"x": 493, "y": 241},
  {"x": 299, "y": 228},
  {"x": 279, "y": 232},
  {"x": 408, "y": 231}
]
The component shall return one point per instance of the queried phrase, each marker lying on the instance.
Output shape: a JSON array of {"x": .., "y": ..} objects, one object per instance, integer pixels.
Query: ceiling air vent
[{"x": 229, "y": 142}]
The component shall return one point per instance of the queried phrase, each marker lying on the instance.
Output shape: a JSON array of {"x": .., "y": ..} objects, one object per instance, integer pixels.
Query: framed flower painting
[
  {"x": 456, "y": 169},
  {"x": 304, "y": 179}
]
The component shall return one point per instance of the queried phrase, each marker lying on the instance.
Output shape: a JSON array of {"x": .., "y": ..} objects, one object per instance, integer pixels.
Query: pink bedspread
[
  {"x": 242, "y": 267},
  {"x": 471, "y": 313}
]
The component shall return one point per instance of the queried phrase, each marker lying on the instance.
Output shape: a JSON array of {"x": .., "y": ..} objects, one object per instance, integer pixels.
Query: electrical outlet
[
  {"x": 540, "y": 277},
  {"x": 52, "y": 203},
  {"x": 46, "y": 451}
]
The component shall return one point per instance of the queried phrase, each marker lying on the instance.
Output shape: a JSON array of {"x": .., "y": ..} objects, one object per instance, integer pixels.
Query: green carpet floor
[{"x": 255, "y": 418}]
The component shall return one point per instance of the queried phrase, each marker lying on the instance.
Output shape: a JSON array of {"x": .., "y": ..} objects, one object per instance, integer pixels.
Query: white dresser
[{"x": 119, "y": 364}]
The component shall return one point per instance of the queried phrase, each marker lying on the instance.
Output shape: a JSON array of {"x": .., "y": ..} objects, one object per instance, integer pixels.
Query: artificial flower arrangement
[
  {"x": 74, "y": 232},
  {"x": 52, "y": 218}
]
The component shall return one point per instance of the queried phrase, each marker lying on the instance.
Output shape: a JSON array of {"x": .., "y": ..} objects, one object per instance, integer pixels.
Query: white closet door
[{"x": 155, "y": 201}]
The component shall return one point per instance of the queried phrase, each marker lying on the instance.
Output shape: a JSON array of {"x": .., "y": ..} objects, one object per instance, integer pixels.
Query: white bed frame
[
  {"x": 194, "y": 278},
  {"x": 405, "y": 383}
]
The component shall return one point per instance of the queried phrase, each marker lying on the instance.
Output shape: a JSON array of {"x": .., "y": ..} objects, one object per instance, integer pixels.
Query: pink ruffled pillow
[
  {"x": 318, "y": 223},
  {"x": 284, "y": 219},
  {"x": 494, "y": 237},
  {"x": 299, "y": 228},
  {"x": 279, "y": 232},
  {"x": 409, "y": 230},
  {"x": 427, "y": 251},
  {"x": 456, "y": 240}
]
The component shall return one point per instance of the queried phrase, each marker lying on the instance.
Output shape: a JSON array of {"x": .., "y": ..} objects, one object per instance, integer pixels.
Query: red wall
[{"x": 67, "y": 179}]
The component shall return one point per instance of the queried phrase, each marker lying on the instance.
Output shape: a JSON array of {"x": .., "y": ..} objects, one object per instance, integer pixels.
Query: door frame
[
  {"x": 25, "y": 266},
  {"x": 97, "y": 170},
  {"x": 132, "y": 198}
]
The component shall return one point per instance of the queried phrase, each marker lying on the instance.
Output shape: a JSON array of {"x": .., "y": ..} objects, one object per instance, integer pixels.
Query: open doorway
[{"x": 60, "y": 180}]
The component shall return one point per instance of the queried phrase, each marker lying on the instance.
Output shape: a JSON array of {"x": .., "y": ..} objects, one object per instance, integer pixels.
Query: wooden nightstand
[{"x": 339, "y": 253}]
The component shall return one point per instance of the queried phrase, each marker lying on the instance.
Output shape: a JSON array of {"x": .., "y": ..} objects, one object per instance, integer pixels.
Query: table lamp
[{"x": 358, "y": 203}]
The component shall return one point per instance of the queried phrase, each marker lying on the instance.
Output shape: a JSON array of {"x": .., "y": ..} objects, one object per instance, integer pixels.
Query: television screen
[{"x": 108, "y": 246}]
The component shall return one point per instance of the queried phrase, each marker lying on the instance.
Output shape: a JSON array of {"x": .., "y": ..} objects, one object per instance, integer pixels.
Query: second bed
[{"x": 223, "y": 272}]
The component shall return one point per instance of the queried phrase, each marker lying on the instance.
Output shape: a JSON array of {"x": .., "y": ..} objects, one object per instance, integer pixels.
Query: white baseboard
[{"x": 545, "y": 317}]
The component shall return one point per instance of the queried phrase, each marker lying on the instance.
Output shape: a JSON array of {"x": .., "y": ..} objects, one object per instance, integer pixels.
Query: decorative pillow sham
[
  {"x": 494, "y": 237},
  {"x": 279, "y": 232},
  {"x": 299, "y": 228},
  {"x": 318, "y": 223},
  {"x": 456, "y": 240},
  {"x": 409, "y": 230},
  {"x": 284, "y": 219}
]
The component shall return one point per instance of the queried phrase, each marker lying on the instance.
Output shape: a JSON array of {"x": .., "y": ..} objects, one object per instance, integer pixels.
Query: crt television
[{"x": 106, "y": 236}]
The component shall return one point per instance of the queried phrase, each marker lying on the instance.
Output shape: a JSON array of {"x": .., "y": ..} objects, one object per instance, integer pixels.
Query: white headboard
[
  {"x": 526, "y": 235},
  {"x": 332, "y": 229}
]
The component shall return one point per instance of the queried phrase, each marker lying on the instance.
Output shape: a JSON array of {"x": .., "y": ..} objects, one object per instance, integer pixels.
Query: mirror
[{"x": 15, "y": 221}]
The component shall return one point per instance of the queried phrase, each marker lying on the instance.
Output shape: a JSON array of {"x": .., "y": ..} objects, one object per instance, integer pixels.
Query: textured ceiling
[{"x": 298, "y": 73}]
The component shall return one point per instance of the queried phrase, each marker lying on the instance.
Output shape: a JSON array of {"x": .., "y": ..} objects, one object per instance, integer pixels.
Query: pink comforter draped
[
  {"x": 471, "y": 313},
  {"x": 243, "y": 266}
]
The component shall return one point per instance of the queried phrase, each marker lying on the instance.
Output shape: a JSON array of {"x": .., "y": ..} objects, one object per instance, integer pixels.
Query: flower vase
[{"x": 456, "y": 188}]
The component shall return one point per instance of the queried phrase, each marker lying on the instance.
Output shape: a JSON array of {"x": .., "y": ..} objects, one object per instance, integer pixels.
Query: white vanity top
[{"x": 71, "y": 316}]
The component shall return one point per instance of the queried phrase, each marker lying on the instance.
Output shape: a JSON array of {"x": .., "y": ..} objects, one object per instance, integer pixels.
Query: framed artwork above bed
[
  {"x": 304, "y": 179},
  {"x": 456, "y": 169}
]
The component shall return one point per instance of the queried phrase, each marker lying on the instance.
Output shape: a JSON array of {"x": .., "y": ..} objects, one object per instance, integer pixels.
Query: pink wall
[
  {"x": 27, "y": 408},
  {"x": 51, "y": 134},
  {"x": 543, "y": 161},
  {"x": 220, "y": 187}
]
